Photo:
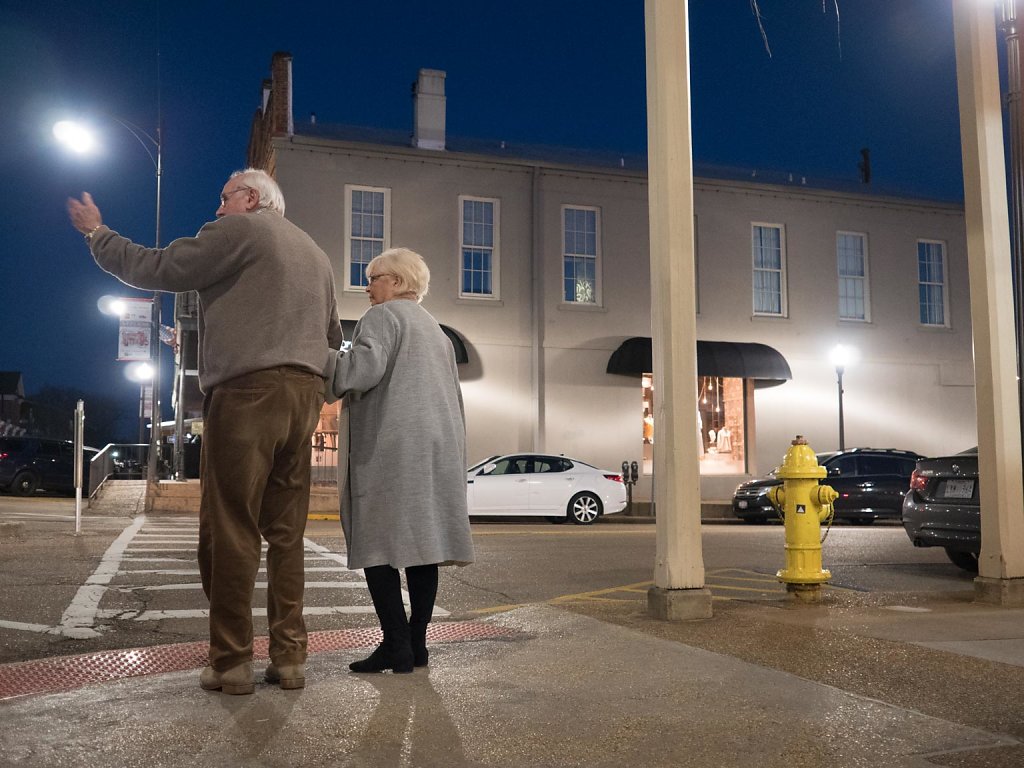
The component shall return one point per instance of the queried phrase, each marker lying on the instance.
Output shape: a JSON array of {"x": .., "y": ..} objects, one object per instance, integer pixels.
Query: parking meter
[
  {"x": 634, "y": 472},
  {"x": 629, "y": 475}
]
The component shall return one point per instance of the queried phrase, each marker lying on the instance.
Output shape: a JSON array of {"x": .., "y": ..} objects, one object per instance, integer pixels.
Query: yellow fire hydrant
[{"x": 805, "y": 505}]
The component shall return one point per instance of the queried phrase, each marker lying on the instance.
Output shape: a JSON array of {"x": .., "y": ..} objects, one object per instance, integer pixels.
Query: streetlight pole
[
  {"x": 842, "y": 431},
  {"x": 842, "y": 356},
  {"x": 78, "y": 137},
  {"x": 155, "y": 430}
]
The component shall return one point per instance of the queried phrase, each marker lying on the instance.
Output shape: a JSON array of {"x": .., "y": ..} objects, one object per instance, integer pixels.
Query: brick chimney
[
  {"x": 428, "y": 109},
  {"x": 274, "y": 117}
]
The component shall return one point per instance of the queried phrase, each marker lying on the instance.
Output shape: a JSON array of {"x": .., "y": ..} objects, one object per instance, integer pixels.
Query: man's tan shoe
[
  {"x": 236, "y": 681},
  {"x": 289, "y": 676}
]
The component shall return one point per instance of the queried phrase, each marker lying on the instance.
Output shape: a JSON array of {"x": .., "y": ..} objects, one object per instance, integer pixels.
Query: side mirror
[{"x": 488, "y": 468}]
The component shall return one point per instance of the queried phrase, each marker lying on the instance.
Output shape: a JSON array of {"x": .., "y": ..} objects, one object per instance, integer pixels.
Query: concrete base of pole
[
  {"x": 1008, "y": 593},
  {"x": 679, "y": 604}
]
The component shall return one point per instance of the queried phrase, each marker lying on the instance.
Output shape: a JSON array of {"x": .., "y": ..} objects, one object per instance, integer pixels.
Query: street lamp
[
  {"x": 79, "y": 138},
  {"x": 842, "y": 356}
]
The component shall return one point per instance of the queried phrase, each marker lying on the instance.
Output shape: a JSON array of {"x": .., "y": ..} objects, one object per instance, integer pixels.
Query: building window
[
  {"x": 931, "y": 282},
  {"x": 769, "y": 257},
  {"x": 367, "y": 230},
  {"x": 852, "y": 268},
  {"x": 479, "y": 224},
  {"x": 581, "y": 251}
]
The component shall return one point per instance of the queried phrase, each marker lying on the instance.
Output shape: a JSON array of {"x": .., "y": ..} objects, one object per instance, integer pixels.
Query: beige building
[{"x": 540, "y": 271}]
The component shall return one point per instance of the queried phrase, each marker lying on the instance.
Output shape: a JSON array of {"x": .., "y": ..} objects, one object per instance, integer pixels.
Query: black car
[
  {"x": 30, "y": 464},
  {"x": 871, "y": 483},
  {"x": 943, "y": 508}
]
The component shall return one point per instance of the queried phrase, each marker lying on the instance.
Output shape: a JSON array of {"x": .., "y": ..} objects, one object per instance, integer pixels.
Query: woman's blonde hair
[{"x": 407, "y": 266}]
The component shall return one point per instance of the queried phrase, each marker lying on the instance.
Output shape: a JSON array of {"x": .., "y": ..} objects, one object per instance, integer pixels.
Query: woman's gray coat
[{"x": 403, "y": 498}]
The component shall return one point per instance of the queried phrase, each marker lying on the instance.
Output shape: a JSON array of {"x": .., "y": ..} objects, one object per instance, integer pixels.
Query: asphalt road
[{"x": 128, "y": 582}]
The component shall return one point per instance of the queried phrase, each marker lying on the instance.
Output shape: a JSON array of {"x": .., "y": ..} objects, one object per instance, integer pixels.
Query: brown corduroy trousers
[{"x": 255, "y": 475}]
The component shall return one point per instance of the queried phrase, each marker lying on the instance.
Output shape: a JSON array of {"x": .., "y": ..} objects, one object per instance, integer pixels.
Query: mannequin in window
[{"x": 724, "y": 442}]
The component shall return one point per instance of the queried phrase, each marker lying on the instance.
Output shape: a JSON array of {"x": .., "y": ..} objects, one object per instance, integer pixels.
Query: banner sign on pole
[{"x": 135, "y": 334}]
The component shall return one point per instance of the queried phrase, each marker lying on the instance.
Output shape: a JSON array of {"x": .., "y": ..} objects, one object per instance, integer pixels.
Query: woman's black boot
[
  {"x": 395, "y": 653},
  {"x": 422, "y": 581}
]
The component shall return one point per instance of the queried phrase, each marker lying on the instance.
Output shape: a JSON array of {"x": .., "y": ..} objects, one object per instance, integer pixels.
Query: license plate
[
  {"x": 741, "y": 504},
  {"x": 958, "y": 489}
]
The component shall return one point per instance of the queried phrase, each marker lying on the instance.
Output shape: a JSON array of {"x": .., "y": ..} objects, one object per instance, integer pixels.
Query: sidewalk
[{"x": 879, "y": 679}]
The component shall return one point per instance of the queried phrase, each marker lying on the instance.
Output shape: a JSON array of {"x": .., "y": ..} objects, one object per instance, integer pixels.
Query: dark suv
[
  {"x": 871, "y": 483},
  {"x": 29, "y": 464}
]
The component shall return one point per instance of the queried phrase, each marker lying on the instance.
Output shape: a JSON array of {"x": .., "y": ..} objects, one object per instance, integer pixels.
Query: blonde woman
[{"x": 403, "y": 499}]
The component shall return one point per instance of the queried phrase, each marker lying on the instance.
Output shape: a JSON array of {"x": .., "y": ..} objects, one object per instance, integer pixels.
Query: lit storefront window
[{"x": 721, "y": 420}]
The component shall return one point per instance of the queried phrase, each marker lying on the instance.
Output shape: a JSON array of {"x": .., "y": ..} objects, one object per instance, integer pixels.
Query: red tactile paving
[{"x": 63, "y": 673}]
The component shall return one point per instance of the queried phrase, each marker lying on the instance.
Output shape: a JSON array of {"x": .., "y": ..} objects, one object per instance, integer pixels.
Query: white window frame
[
  {"x": 495, "y": 248},
  {"x": 944, "y": 284},
  {"x": 865, "y": 279},
  {"x": 597, "y": 298},
  {"x": 385, "y": 241},
  {"x": 783, "y": 296}
]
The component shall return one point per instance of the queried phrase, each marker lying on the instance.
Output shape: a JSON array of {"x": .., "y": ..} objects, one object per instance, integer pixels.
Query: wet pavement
[{"x": 861, "y": 679}]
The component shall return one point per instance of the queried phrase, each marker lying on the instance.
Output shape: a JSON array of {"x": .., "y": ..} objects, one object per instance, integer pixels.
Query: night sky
[{"x": 555, "y": 72}]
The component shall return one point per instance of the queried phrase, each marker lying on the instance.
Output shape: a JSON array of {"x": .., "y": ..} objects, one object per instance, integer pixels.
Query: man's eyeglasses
[
  {"x": 224, "y": 198},
  {"x": 371, "y": 278}
]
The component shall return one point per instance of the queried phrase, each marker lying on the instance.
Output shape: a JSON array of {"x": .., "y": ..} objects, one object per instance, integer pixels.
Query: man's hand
[{"x": 85, "y": 216}]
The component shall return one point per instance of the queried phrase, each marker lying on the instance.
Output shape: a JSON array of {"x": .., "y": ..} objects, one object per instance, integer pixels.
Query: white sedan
[{"x": 555, "y": 487}]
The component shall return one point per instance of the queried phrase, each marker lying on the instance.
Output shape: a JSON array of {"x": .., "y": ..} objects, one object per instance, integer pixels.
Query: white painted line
[
  {"x": 20, "y": 625},
  {"x": 256, "y": 612},
  {"x": 80, "y": 616},
  {"x": 258, "y": 585}
]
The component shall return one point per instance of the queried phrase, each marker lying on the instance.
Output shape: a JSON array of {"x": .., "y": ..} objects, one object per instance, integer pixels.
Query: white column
[
  {"x": 678, "y": 591},
  {"x": 1001, "y": 566}
]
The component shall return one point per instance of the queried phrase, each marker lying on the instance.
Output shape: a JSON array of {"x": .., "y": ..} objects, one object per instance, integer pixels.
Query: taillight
[
  {"x": 918, "y": 481},
  {"x": 614, "y": 478},
  {"x": 4, "y": 455}
]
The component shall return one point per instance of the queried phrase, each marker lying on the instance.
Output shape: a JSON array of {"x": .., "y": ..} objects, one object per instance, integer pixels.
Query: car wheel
[
  {"x": 24, "y": 484},
  {"x": 584, "y": 508},
  {"x": 556, "y": 520},
  {"x": 966, "y": 560}
]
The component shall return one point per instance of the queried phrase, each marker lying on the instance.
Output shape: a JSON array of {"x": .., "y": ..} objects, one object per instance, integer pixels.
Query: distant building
[
  {"x": 15, "y": 410},
  {"x": 540, "y": 268}
]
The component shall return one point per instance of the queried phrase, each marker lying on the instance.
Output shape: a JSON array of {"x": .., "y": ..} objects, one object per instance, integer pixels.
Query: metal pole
[
  {"x": 842, "y": 430},
  {"x": 1010, "y": 27},
  {"x": 179, "y": 410},
  {"x": 79, "y": 457},
  {"x": 155, "y": 436}
]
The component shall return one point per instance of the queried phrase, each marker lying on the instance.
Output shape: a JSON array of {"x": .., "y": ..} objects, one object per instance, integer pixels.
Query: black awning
[
  {"x": 735, "y": 359},
  {"x": 348, "y": 327}
]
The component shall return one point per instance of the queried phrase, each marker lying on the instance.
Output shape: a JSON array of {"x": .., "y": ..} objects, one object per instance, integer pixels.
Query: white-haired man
[{"x": 267, "y": 308}]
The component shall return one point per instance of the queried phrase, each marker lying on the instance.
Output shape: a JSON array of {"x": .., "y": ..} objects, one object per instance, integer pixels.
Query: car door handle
[{"x": 521, "y": 481}]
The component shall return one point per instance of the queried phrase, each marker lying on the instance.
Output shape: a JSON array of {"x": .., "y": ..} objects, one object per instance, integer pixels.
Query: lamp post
[
  {"x": 79, "y": 138},
  {"x": 842, "y": 356}
]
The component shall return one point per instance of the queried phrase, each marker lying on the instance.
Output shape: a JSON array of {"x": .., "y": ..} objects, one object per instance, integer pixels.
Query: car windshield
[{"x": 479, "y": 464}]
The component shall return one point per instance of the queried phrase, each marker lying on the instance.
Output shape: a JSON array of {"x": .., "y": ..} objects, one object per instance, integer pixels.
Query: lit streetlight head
[
  {"x": 139, "y": 372},
  {"x": 112, "y": 305},
  {"x": 75, "y": 136},
  {"x": 843, "y": 356}
]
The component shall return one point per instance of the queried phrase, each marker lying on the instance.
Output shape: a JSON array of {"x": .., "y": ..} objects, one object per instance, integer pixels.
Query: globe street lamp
[
  {"x": 842, "y": 356},
  {"x": 79, "y": 138}
]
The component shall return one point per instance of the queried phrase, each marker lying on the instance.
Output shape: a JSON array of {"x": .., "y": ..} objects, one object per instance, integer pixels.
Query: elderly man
[{"x": 267, "y": 312}]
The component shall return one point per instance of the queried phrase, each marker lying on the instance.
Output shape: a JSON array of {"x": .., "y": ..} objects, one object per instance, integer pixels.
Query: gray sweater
[{"x": 266, "y": 291}]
